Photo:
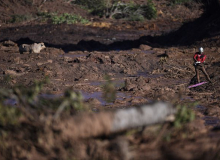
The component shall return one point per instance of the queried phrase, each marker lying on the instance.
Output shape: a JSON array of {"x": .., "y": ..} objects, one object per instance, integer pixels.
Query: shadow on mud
[
  {"x": 207, "y": 26},
  {"x": 90, "y": 46}
]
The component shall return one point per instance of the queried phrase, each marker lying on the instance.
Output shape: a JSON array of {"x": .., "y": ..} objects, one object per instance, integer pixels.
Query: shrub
[
  {"x": 179, "y": 1},
  {"x": 96, "y": 7},
  {"x": 133, "y": 11},
  {"x": 109, "y": 91},
  {"x": 118, "y": 10},
  {"x": 63, "y": 18},
  {"x": 20, "y": 18},
  {"x": 150, "y": 11},
  {"x": 136, "y": 17},
  {"x": 9, "y": 115},
  {"x": 69, "y": 19},
  {"x": 184, "y": 115}
]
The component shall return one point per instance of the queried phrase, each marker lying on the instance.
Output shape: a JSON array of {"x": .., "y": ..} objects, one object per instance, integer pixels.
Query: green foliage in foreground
[
  {"x": 9, "y": 115},
  {"x": 184, "y": 115},
  {"x": 31, "y": 104}
]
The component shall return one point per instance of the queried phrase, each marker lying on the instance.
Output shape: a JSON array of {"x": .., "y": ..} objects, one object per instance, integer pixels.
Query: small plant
[
  {"x": 150, "y": 11},
  {"x": 135, "y": 17},
  {"x": 109, "y": 91},
  {"x": 184, "y": 115},
  {"x": 162, "y": 60},
  {"x": 9, "y": 115},
  {"x": 20, "y": 18},
  {"x": 72, "y": 100}
]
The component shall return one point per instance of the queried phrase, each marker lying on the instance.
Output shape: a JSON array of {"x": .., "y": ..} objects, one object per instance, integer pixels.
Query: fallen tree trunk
[{"x": 104, "y": 123}]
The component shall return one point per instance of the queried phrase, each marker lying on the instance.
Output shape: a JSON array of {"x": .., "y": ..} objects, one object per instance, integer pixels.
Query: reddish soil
[{"x": 147, "y": 61}]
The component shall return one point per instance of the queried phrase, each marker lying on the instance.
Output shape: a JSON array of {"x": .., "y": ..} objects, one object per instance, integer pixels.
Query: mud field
[{"x": 145, "y": 64}]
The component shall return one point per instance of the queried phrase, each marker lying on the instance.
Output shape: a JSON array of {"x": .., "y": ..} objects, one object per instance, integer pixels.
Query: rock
[
  {"x": 50, "y": 61},
  {"x": 9, "y": 43},
  {"x": 13, "y": 73},
  {"x": 213, "y": 49},
  {"x": 145, "y": 47},
  {"x": 55, "y": 51},
  {"x": 146, "y": 88},
  {"x": 158, "y": 50},
  {"x": 94, "y": 101}
]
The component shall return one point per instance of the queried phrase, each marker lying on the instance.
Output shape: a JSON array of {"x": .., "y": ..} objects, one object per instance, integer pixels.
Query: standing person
[{"x": 199, "y": 58}]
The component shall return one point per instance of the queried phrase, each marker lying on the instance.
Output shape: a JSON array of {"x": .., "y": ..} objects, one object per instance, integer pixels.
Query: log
[{"x": 105, "y": 123}]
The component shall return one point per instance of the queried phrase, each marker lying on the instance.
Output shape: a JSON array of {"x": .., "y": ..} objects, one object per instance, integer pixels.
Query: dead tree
[{"x": 104, "y": 123}]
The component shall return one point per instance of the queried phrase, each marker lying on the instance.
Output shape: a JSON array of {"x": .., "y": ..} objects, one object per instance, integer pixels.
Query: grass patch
[
  {"x": 184, "y": 115},
  {"x": 20, "y": 18},
  {"x": 62, "y": 18}
]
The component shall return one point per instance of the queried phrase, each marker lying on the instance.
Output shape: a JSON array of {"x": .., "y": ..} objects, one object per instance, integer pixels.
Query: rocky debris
[
  {"x": 145, "y": 47},
  {"x": 94, "y": 102},
  {"x": 139, "y": 83},
  {"x": 9, "y": 44}
]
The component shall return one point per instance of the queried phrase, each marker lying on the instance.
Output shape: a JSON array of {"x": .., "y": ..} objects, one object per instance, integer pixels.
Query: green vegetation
[
  {"x": 71, "y": 102},
  {"x": 9, "y": 115},
  {"x": 184, "y": 115},
  {"x": 20, "y": 18},
  {"x": 32, "y": 104},
  {"x": 97, "y": 7},
  {"x": 54, "y": 17},
  {"x": 119, "y": 10},
  {"x": 180, "y": 1},
  {"x": 109, "y": 91},
  {"x": 150, "y": 11},
  {"x": 62, "y": 18}
]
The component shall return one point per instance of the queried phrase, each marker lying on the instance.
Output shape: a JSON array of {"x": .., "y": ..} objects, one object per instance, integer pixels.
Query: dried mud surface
[{"x": 143, "y": 70}]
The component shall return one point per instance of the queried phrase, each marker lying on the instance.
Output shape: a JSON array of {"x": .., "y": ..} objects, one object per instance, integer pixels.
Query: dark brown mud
[{"x": 146, "y": 63}]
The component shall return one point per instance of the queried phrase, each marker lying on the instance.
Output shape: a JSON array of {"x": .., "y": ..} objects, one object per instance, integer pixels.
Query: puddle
[
  {"x": 86, "y": 96},
  {"x": 211, "y": 121},
  {"x": 133, "y": 52},
  {"x": 147, "y": 74},
  {"x": 51, "y": 96},
  {"x": 200, "y": 108},
  {"x": 10, "y": 102},
  {"x": 98, "y": 95},
  {"x": 73, "y": 55},
  {"x": 116, "y": 82}
]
